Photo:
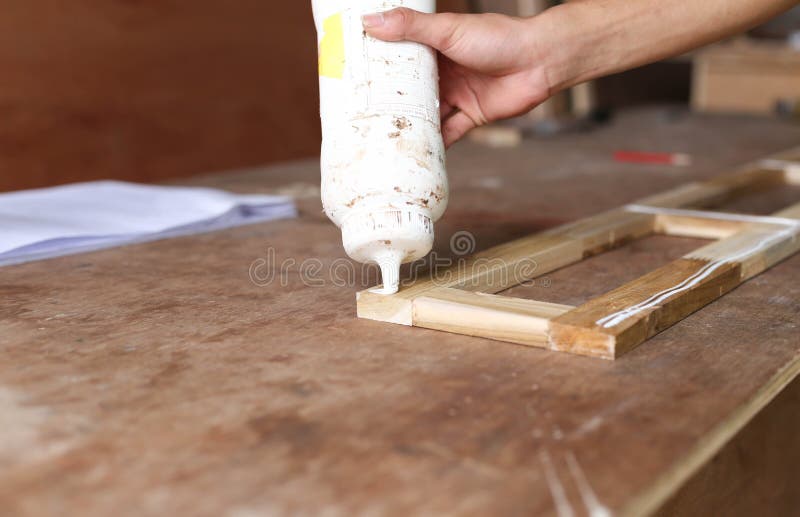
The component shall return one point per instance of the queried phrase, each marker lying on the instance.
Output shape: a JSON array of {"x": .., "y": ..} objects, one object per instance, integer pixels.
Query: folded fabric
[{"x": 50, "y": 222}]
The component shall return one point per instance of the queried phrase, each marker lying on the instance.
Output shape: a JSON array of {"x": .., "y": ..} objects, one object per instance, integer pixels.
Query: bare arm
[
  {"x": 495, "y": 66},
  {"x": 593, "y": 38}
]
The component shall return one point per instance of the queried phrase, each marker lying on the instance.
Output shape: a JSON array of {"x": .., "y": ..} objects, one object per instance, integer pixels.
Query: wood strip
[
  {"x": 696, "y": 227},
  {"x": 618, "y": 321},
  {"x": 612, "y": 324},
  {"x": 389, "y": 309},
  {"x": 789, "y": 155},
  {"x": 758, "y": 247},
  {"x": 792, "y": 174},
  {"x": 790, "y": 166},
  {"x": 608, "y": 230},
  {"x": 513, "y": 263},
  {"x": 714, "y": 215},
  {"x": 507, "y": 265},
  {"x": 513, "y": 320},
  {"x": 490, "y": 271},
  {"x": 717, "y": 190},
  {"x": 790, "y": 212},
  {"x": 787, "y": 161}
]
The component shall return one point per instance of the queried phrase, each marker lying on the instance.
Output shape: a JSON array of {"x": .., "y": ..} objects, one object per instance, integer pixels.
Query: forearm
[{"x": 586, "y": 39}]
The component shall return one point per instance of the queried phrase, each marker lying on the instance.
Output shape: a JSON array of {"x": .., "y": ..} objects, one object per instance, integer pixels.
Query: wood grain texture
[
  {"x": 745, "y": 77},
  {"x": 697, "y": 227},
  {"x": 755, "y": 249},
  {"x": 755, "y": 473},
  {"x": 513, "y": 320},
  {"x": 144, "y": 91},
  {"x": 718, "y": 190},
  {"x": 161, "y": 379},
  {"x": 580, "y": 331},
  {"x": 506, "y": 265},
  {"x": 614, "y": 323},
  {"x": 150, "y": 90}
]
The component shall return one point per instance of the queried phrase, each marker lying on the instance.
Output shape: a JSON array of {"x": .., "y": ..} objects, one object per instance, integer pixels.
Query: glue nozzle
[{"x": 389, "y": 263}]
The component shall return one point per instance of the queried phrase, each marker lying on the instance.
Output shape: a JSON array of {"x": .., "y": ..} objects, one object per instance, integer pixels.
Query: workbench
[{"x": 181, "y": 377}]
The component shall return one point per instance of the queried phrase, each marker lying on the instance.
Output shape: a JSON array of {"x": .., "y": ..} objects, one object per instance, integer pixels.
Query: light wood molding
[{"x": 462, "y": 299}]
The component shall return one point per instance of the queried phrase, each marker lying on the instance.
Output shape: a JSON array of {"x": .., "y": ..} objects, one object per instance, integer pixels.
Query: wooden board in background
[
  {"x": 144, "y": 91},
  {"x": 745, "y": 77}
]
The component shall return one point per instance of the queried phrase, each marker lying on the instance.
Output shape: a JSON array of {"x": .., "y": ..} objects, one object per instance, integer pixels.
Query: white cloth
[{"x": 50, "y": 222}]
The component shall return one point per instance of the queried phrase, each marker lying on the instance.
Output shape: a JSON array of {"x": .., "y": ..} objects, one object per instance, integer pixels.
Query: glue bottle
[{"x": 383, "y": 160}]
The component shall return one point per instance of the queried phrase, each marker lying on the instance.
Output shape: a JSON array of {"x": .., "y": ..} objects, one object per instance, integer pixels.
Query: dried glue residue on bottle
[{"x": 383, "y": 167}]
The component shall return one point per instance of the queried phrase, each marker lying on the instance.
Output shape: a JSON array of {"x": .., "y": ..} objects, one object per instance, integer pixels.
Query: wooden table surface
[{"x": 175, "y": 378}]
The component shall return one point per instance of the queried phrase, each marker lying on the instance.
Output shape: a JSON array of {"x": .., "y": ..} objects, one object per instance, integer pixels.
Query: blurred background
[{"x": 148, "y": 91}]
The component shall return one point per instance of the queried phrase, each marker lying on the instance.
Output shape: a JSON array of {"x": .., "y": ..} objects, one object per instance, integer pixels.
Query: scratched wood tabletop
[{"x": 227, "y": 374}]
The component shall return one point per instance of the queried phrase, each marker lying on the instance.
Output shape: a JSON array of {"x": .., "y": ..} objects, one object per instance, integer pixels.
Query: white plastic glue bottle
[{"x": 383, "y": 160}]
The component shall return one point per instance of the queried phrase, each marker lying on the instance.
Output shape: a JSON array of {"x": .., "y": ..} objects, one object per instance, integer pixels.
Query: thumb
[{"x": 403, "y": 24}]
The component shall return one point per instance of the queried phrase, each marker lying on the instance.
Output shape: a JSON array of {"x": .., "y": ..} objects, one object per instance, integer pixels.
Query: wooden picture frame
[{"x": 464, "y": 299}]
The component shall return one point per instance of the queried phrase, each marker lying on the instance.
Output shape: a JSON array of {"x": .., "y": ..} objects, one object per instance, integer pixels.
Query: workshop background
[
  {"x": 146, "y": 372},
  {"x": 149, "y": 91}
]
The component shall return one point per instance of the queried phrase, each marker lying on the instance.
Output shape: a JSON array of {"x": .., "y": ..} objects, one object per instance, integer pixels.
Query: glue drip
[{"x": 389, "y": 262}]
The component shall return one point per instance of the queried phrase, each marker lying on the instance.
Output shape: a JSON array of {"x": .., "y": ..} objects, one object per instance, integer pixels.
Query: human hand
[{"x": 489, "y": 65}]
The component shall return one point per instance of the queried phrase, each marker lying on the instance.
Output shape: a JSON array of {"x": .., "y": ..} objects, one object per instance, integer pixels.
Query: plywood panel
[{"x": 745, "y": 77}]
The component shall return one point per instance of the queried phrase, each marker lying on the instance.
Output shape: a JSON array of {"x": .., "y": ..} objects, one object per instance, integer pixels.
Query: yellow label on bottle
[{"x": 331, "y": 48}]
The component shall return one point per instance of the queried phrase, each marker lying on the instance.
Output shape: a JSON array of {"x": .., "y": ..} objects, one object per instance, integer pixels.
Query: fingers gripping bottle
[{"x": 383, "y": 160}]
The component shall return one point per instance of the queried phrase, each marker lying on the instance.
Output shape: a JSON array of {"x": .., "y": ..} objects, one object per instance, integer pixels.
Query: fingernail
[{"x": 370, "y": 21}]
